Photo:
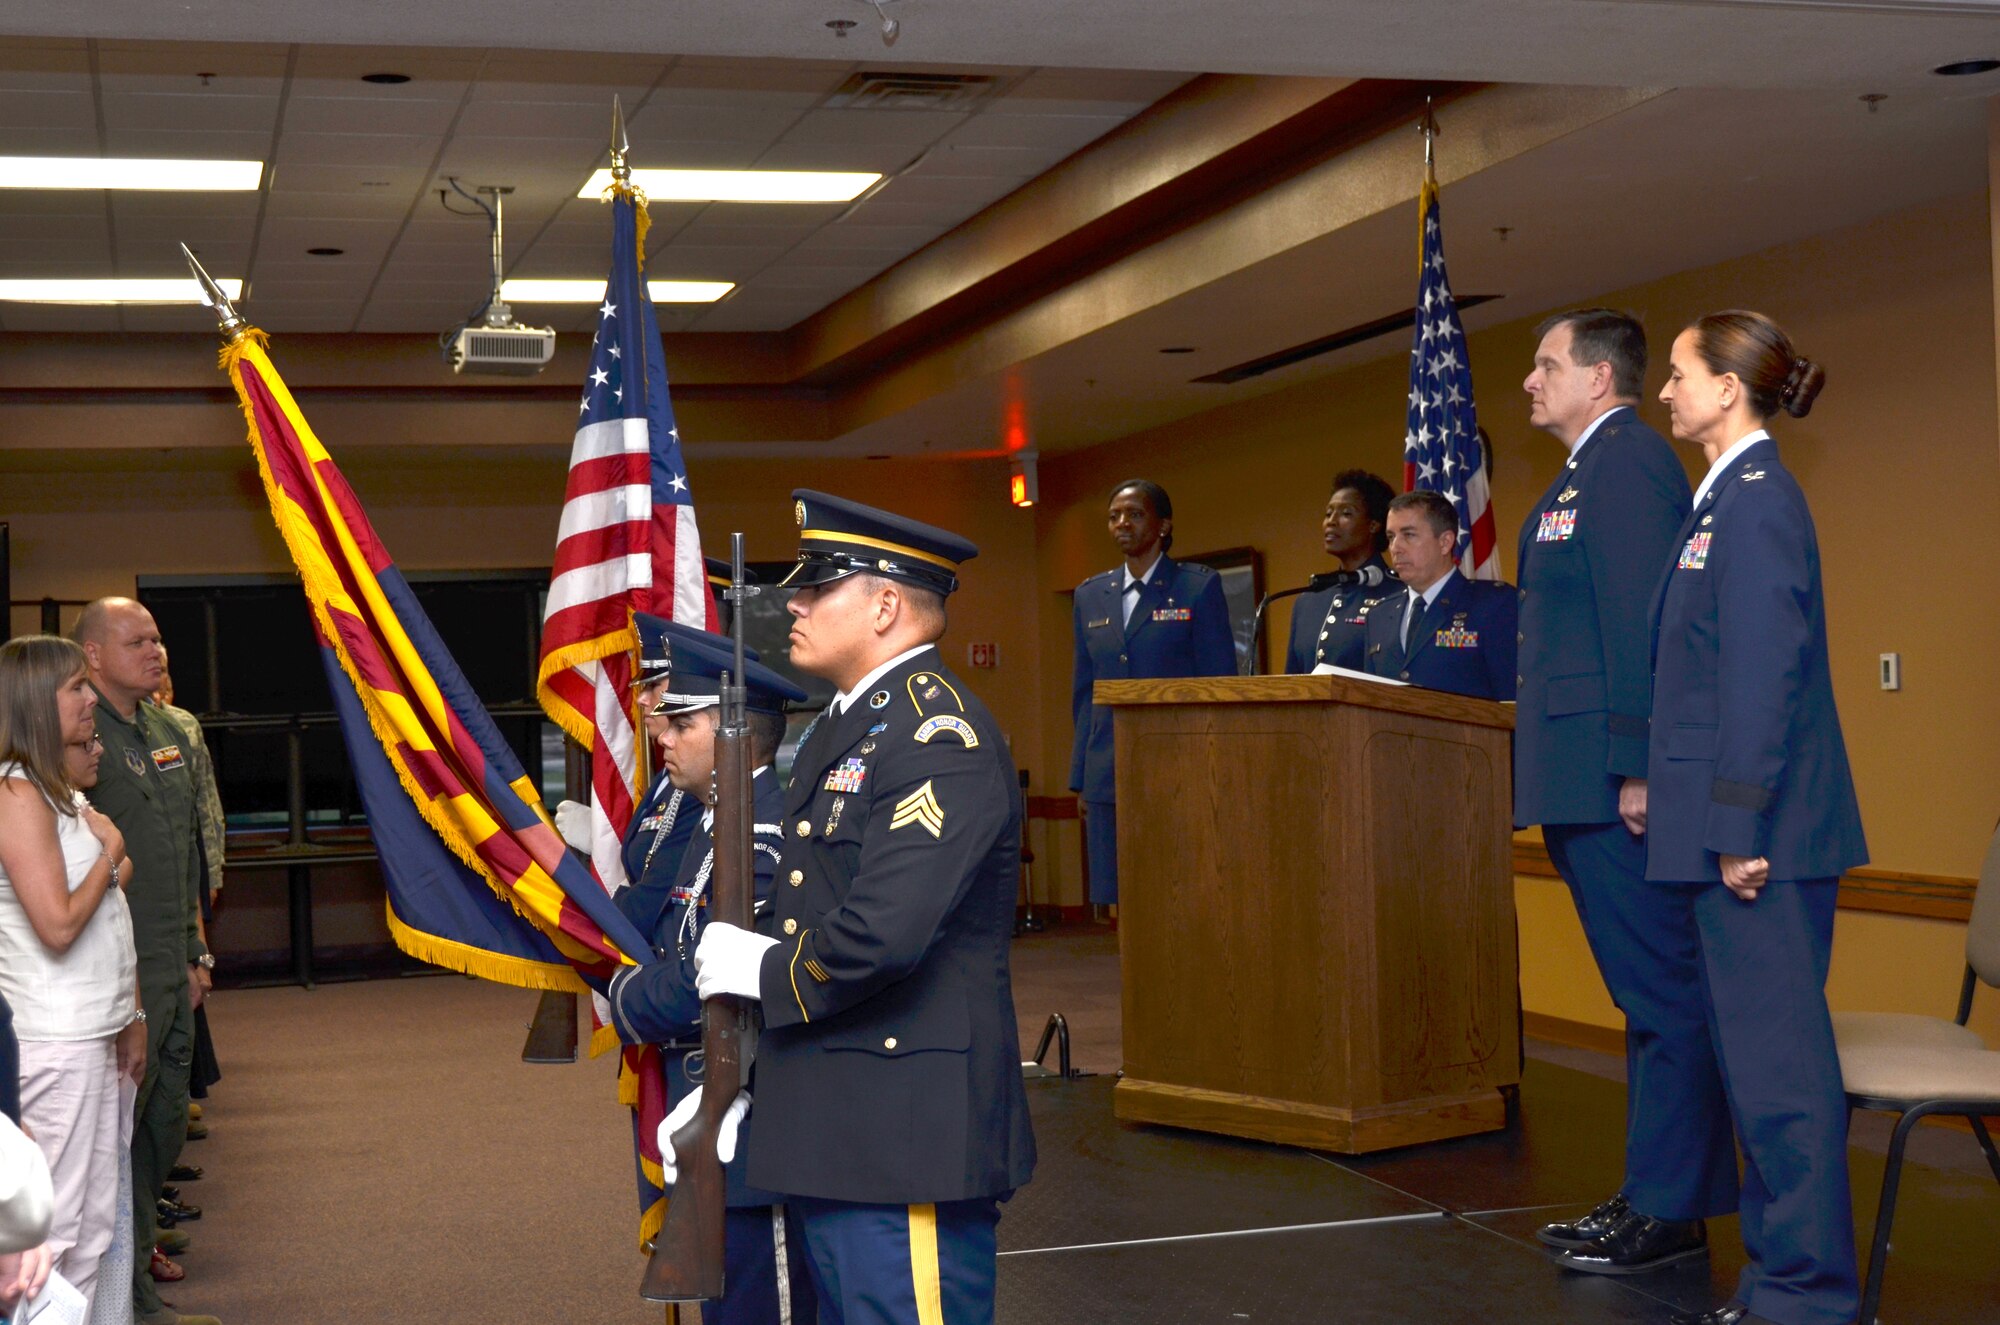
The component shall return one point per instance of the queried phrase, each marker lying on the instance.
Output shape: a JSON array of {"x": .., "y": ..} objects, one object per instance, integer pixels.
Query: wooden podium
[{"x": 1316, "y": 909}]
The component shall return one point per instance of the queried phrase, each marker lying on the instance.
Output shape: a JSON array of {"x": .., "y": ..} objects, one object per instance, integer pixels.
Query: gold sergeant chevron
[{"x": 919, "y": 807}]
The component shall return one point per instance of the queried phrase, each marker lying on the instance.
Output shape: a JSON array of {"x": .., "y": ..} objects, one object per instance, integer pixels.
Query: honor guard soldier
[
  {"x": 663, "y": 820},
  {"x": 1590, "y": 554},
  {"x": 1447, "y": 632},
  {"x": 888, "y": 1074},
  {"x": 1152, "y": 617},
  {"x": 658, "y": 1004},
  {"x": 146, "y": 786},
  {"x": 1331, "y": 626}
]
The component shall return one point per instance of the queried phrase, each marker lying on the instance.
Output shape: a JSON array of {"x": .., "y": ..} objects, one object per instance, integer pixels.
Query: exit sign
[{"x": 983, "y": 655}]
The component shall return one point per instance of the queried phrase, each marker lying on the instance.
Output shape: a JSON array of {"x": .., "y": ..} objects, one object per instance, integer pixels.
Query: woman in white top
[{"x": 67, "y": 964}]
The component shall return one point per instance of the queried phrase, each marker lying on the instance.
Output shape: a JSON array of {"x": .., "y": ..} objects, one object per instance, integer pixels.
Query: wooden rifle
[{"x": 687, "y": 1263}]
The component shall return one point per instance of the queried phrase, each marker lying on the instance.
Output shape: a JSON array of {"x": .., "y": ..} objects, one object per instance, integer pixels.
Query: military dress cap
[
  {"x": 653, "y": 656},
  {"x": 840, "y": 537},
  {"x": 718, "y": 573},
  {"x": 699, "y": 660}
]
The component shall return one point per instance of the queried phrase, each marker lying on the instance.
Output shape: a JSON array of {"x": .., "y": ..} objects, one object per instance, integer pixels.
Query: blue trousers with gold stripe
[{"x": 901, "y": 1264}]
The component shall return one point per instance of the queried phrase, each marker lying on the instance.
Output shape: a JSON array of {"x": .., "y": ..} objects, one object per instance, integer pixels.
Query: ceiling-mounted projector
[
  {"x": 495, "y": 343},
  {"x": 510, "y": 351}
]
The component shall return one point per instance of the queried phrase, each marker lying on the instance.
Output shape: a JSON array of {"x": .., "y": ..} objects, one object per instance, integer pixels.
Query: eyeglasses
[{"x": 95, "y": 745}]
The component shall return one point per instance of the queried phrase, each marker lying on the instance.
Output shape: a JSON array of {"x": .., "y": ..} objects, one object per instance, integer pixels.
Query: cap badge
[{"x": 799, "y": 513}]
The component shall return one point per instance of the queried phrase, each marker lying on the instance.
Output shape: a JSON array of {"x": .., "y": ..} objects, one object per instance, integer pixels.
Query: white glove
[
  {"x": 573, "y": 822},
  {"x": 729, "y": 960},
  {"x": 725, "y": 1136}
]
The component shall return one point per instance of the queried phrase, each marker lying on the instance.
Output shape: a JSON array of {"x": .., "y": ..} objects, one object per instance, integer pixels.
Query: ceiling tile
[
  {"x": 858, "y": 234},
  {"x": 215, "y": 144},
  {"x": 136, "y": 203},
  {"x": 434, "y": 74},
  {"x": 34, "y": 228},
  {"x": 882, "y": 158},
  {"x": 38, "y": 108},
  {"x": 579, "y": 121},
  {"x": 301, "y": 233},
  {"x": 798, "y": 218},
  {"x": 568, "y": 78},
  {"x": 207, "y": 111},
  {"x": 358, "y": 149},
  {"x": 375, "y": 204},
  {"x": 965, "y": 162},
  {"x": 841, "y": 128},
  {"x": 21, "y": 140},
  {"x": 817, "y": 275},
  {"x": 1061, "y": 133},
  {"x": 369, "y": 114},
  {"x": 1089, "y": 91},
  {"x": 307, "y": 177},
  {"x": 46, "y": 69}
]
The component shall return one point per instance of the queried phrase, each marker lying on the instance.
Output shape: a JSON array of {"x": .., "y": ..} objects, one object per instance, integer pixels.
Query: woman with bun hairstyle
[{"x": 1751, "y": 807}]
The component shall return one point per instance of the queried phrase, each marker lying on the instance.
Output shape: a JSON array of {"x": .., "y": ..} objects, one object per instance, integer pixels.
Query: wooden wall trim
[{"x": 1892, "y": 892}]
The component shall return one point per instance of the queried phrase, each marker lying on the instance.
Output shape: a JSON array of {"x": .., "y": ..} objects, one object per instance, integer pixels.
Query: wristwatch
[{"x": 206, "y": 961}]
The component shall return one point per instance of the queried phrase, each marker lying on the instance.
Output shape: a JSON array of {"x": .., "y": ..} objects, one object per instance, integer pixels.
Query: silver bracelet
[{"x": 114, "y": 868}]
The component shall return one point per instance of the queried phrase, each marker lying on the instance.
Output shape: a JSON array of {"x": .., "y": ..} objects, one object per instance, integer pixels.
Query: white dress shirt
[
  {"x": 1129, "y": 600},
  {"x": 1427, "y": 596},
  {"x": 1724, "y": 461},
  {"x": 1589, "y": 431}
]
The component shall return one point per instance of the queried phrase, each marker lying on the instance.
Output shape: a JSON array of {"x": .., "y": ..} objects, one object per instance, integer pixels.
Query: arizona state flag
[{"x": 425, "y": 750}]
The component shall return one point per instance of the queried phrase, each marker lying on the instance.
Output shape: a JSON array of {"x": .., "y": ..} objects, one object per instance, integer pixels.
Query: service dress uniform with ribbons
[
  {"x": 145, "y": 785},
  {"x": 888, "y": 1076},
  {"x": 1591, "y": 554},
  {"x": 1745, "y": 758},
  {"x": 1463, "y": 642},
  {"x": 765, "y": 1278},
  {"x": 1175, "y": 622},
  {"x": 663, "y": 822},
  {"x": 1331, "y": 626}
]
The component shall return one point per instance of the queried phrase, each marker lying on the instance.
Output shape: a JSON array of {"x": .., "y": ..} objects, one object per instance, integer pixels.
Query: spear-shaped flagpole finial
[
  {"x": 620, "y": 144},
  {"x": 1430, "y": 128},
  {"x": 232, "y": 322}
]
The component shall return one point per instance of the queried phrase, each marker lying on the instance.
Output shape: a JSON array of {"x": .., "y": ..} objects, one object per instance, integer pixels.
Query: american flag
[
  {"x": 1442, "y": 450},
  {"x": 627, "y": 543}
]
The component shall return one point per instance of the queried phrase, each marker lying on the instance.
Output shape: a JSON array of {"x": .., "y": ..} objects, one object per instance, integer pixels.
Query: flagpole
[{"x": 233, "y": 323}]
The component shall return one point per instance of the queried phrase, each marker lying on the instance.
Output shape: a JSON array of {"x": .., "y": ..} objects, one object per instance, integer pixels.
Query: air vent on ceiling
[
  {"x": 1339, "y": 340},
  {"x": 887, "y": 90}
]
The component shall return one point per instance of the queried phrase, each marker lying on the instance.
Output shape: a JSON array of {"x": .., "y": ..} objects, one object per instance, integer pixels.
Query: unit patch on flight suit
[
  {"x": 920, "y": 807},
  {"x": 1695, "y": 555},
  {"x": 949, "y": 722},
  {"x": 135, "y": 763}
]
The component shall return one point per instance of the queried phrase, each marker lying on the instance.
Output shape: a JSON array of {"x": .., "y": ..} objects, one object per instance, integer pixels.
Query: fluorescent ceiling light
[
  {"x": 105, "y": 172},
  {"x": 172, "y": 290},
  {"x": 740, "y": 185},
  {"x": 591, "y": 292}
]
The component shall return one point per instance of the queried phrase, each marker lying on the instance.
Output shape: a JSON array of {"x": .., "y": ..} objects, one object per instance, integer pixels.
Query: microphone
[{"x": 1367, "y": 577}]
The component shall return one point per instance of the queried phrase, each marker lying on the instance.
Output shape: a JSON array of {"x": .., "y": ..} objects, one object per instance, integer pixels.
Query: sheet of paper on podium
[{"x": 1328, "y": 669}]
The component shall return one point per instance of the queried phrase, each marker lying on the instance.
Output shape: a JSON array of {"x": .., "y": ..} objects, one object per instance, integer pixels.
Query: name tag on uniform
[
  {"x": 1695, "y": 555},
  {"x": 169, "y": 757},
  {"x": 1093, "y": 625},
  {"x": 1556, "y": 526},
  {"x": 848, "y": 776},
  {"x": 1173, "y": 614},
  {"x": 1457, "y": 637}
]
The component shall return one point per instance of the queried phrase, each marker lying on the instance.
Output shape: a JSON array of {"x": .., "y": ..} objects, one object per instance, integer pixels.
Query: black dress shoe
[
  {"x": 1729, "y": 1313},
  {"x": 184, "y": 1173},
  {"x": 174, "y": 1210},
  {"x": 161, "y": 1219},
  {"x": 1636, "y": 1244},
  {"x": 1601, "y": 1220}
]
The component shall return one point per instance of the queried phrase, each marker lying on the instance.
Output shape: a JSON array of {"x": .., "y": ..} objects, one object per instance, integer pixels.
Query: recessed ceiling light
[
  {"x": 740, "y": 185},
  {"x": 387, "y": 80},
  {"x": 1177, "y": 349},
  {"x": 326, "y": 252},
  {"x": 1964, "y": 67},
  {"x": 106, "y": 172},
  {"x": 521, "y": 291},
  {"x": 120, "y": 290}
]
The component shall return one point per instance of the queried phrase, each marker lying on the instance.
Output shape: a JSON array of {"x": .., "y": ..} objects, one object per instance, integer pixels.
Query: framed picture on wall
[{"x": 1242, "y": 572}]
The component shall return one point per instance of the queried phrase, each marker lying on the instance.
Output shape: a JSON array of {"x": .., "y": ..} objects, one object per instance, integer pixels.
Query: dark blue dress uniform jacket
[
  {"x": 1331, "y": 626},
  {"x": 657, "y": 1003},
  {"x": 1746, "y": 757},
  {"x": 1464, "y": 642},
  {"x": 1591, "y": 554},
  {"x": 890, "y": 1069},
  {"x": 671, "y": 815},
  {"x": 1179, "y": 627}
]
